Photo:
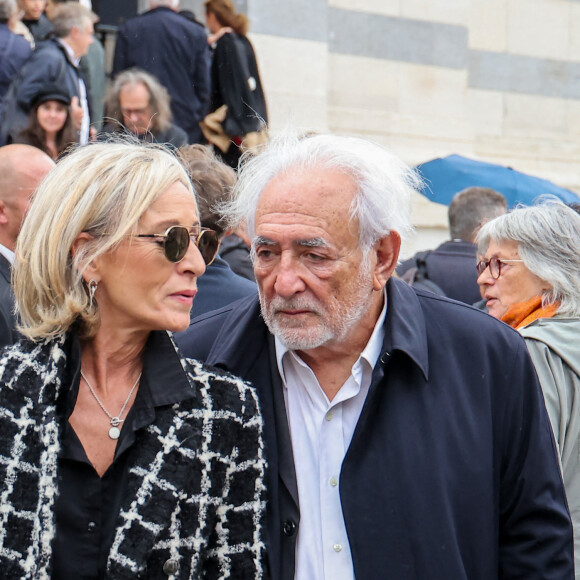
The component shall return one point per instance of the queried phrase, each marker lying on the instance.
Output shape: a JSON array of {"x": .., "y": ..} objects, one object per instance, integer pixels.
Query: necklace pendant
[
  {"x": 116, "y": 421},
  {"x": 114, "y": 432}
]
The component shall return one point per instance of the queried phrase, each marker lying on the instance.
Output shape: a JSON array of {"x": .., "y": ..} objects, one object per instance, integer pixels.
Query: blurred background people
[
  {"x": 34, "y": 19},
  {"x": 50, "y": 126},
  {"x": 138, "y": 103},
  {"x": 212, "y": 181},
  {"x": 14, "y": 49},
  {"x": 174, "y": 50},
  {"x": 132, "y": 461},
  {"x": 54, "y": 62},
  {"x": 92, "y": 70},
  {"x": 530, "y": 274},
  {"x": 451, "y": 265},
  {"x": 238, "y": 113},
  {"x": 22, "y": 168}
]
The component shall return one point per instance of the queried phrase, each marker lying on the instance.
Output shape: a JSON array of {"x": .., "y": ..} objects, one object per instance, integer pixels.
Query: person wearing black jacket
[
  {"x": 235, "y": 81},
  {"x": 175, "y": 50}
]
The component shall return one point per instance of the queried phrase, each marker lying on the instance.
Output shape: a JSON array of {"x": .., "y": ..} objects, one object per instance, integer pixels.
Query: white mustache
[{"x": 300, "y": 303}]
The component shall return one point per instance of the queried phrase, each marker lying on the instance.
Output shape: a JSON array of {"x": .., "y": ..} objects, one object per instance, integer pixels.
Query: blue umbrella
[{"x": 446, "y": 176}]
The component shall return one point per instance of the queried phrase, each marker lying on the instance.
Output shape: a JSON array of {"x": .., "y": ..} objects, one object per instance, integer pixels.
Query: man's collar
[
  {"x": 69, "y": 52},
  {"x": 405, "y": 328},
  {"x": 8, "y": 254}
]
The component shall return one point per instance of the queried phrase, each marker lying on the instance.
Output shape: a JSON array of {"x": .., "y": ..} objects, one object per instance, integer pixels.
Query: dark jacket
[
  {"x": 452, "y": 267},
  {"x": 237, "y": 254},
  {"x": 175, "y": 50},
  {"x": 235, "y": 82},
  {"x": 194, "y": 493},
  {"x": 452, "y": 470},
  {"x": 14, "y": 52},
  {"x": 173, "y": 135},
  {"x": 40, "y": 29},
  {"x": 218, "y": 287},
  {"x": 8, "y": 334},
  {"x": 49, "y": 64}
]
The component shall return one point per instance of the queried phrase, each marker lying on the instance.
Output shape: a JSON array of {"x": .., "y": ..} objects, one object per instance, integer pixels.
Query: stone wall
[{"x": 498, "y": 80}]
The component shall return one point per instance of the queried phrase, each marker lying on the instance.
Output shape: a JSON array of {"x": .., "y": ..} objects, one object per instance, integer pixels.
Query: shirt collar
[
  {"x": 370, "y": 353},
  {"x": 8, "y": 254},
  {"x": 70, "y": 52}
]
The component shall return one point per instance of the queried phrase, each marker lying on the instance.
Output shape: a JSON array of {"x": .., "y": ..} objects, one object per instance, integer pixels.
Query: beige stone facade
[{"x": 497, "y": 80}]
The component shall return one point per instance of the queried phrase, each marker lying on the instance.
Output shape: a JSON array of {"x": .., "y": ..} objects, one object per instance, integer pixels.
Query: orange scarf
[{"x": 521, "y": 314}]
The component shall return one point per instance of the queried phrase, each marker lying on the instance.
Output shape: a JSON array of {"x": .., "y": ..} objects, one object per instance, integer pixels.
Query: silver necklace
[{"x": 114, "y": 431}]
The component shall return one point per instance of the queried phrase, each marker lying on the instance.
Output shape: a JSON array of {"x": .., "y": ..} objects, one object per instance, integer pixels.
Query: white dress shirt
[{"x": 321, "y": 432}]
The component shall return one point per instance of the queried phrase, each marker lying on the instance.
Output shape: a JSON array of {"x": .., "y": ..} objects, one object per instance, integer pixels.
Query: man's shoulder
[{"x": 232, "y": 320}]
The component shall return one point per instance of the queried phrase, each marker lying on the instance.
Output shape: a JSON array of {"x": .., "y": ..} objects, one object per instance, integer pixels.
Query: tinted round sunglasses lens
[
  {"x": 208, "y": 245},
  {"x": 176, "y": 243}
]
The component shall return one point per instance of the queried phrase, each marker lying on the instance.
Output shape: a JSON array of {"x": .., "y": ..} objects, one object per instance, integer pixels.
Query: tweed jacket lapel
[{"x": 147, "y": 507}]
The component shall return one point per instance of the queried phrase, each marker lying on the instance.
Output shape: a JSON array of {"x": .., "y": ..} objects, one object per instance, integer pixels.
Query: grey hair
[
  {"x": 71, "y": 15},
  {"x": 384, "y": 183},
  {"x": 548, "y": 238},
  {"x": 159, "y": 99},
  {"x": 7, "y": 9}
]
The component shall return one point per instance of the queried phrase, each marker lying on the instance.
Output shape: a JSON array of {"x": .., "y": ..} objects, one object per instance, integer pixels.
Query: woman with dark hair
[
  {"x": 238, "y": 108},
  {"x": 50, "y": 125}
]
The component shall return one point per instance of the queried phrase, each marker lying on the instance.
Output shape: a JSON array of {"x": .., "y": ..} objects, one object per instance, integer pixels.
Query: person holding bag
[{"x": 238, "y": 118}]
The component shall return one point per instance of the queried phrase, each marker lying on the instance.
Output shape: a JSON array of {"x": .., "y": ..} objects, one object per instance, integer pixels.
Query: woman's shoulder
[{"x": 227, "y": 391}]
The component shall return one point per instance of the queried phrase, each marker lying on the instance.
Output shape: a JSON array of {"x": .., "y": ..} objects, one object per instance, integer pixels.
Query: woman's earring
[{"x": 93, "y": 285}]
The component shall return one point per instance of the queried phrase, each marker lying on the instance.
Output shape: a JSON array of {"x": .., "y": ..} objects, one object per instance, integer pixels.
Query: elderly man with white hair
[
  {"x": 406, "y": 433},
  {"x": 174, "y": 50}
]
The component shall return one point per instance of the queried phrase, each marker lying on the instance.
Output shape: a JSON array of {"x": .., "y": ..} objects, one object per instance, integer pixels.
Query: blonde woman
[{"x": 120, "y": 458}]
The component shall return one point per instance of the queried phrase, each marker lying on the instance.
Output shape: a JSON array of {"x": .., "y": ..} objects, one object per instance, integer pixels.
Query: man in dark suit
[
  {"x": 406, "y": 434},
  {"x": 175, "y": 50},
  {"x": 213, "y": 181},
  {"x": 22, "y": 168},
  {"x": 451, "y": 266}
]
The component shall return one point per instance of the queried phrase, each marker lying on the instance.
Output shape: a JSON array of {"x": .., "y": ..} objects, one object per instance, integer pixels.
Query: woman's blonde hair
[{"x": 102, "y": 189}]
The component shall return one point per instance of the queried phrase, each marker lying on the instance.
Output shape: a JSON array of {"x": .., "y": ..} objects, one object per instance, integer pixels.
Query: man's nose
[{"x": 289, "y": 277}]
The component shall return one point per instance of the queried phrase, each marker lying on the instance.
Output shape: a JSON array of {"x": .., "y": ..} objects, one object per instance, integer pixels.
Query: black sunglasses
[{"x": 177, "y": 238}]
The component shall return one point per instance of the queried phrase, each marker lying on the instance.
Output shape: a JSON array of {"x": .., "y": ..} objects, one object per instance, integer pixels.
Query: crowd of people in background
[{"x": 214, "y": 363}]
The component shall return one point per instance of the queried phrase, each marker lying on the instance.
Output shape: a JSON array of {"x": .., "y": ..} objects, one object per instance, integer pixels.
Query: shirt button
[
  {"x": 333, "y": 481},
  {"x": 91, "y": 527},
  {"x": 171, "y": 567},
  {"x": 329, "y": 416},
  {"x": 337, "y": 547},
  {"x": 288, "y": 527}
]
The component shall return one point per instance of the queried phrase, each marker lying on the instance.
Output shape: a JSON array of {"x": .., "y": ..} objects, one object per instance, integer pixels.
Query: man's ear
[
  {"x": 3, "y": 215},
  {"x": 387, "y": 252},
  {"x": 80, "y": 243}
]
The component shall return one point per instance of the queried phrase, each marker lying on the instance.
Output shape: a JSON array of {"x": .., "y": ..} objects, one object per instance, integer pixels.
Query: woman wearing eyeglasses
[
  {"x": 120, "y": 458},
  {"x": 530, "y": 276}
]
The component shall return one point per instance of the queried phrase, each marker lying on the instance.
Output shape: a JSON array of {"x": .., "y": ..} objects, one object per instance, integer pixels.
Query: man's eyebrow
[
  {"x": 262, "y": 241},
  {"x": 304, "y": 243},
  {"x": 313, "y": 243}
]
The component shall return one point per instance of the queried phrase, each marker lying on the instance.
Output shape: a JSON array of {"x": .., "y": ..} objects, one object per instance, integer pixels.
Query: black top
[
  {"x": 452, "y": 267},
  {"x": 87, "y": 507}
]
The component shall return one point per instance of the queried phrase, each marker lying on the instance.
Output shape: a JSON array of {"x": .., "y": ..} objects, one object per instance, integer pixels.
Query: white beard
[{"x": 335, "y": 319}]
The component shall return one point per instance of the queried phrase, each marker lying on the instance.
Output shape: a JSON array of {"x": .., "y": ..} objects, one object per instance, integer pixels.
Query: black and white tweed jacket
[{"x": 195, "y": 496}]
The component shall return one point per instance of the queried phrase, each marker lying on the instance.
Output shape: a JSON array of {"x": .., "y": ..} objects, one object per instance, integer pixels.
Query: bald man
[{"x": 22, "y": 168}]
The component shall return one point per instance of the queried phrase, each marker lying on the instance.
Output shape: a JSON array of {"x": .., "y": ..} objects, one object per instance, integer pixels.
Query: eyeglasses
[
  {"x": 494, "y": 264},
  {"x": 177, "y": 238}
]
